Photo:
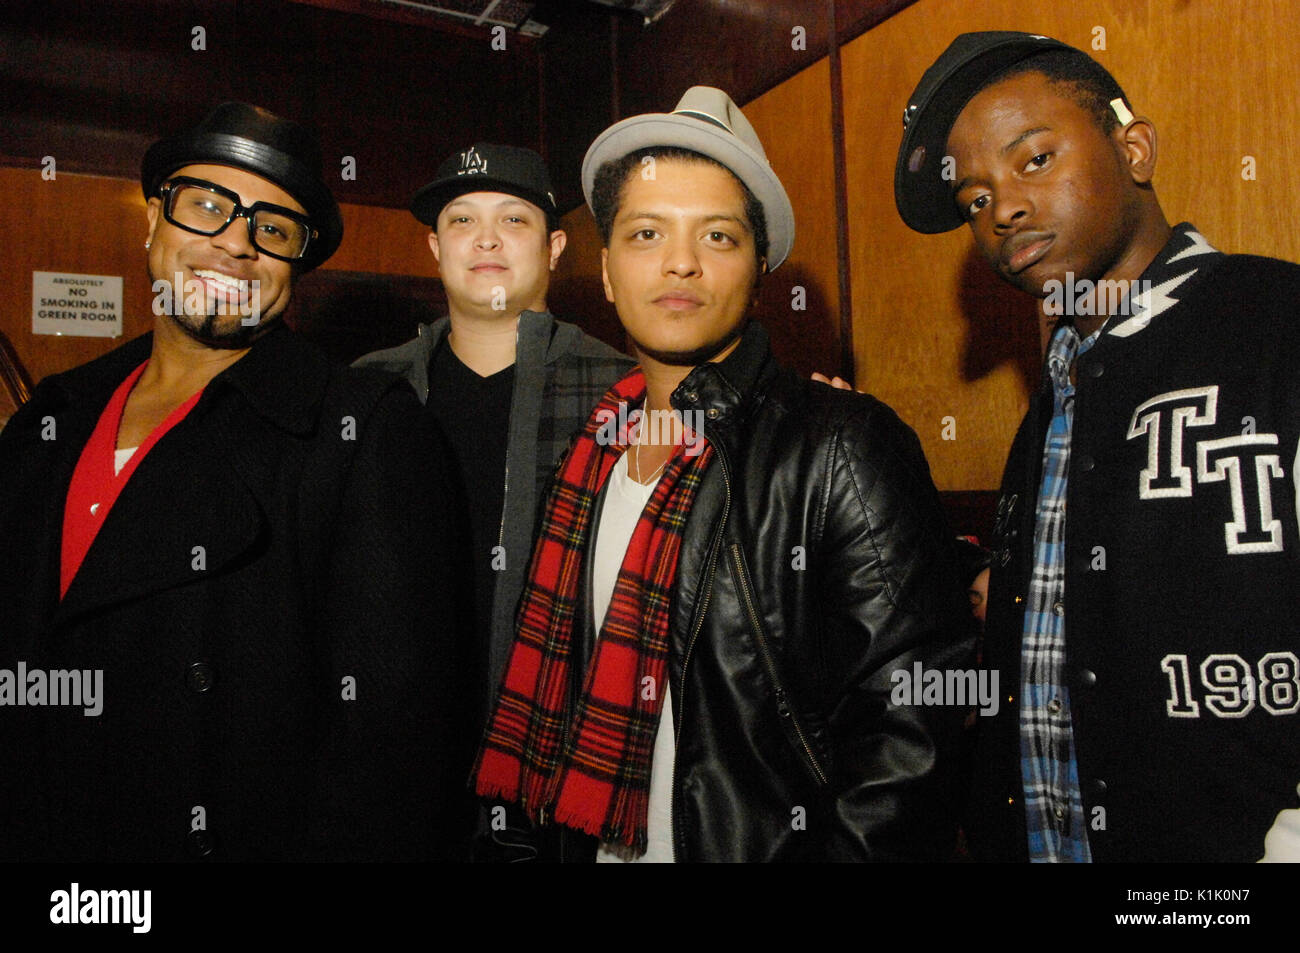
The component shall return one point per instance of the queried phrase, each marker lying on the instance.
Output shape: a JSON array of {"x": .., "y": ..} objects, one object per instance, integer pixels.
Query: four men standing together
[{"x": 695, "y": 581}]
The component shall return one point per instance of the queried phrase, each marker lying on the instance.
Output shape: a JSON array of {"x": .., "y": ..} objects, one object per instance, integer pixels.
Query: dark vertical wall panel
[
  {"x": 577, "y": 95},
  {"x": 94, "y": 83}
]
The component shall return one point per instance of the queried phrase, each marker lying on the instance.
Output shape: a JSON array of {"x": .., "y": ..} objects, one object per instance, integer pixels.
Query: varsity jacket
[
  {"x": 560, "y": 375},
  {"x": 1182, "y": 570},
  {"x": 816, "y": 565}
]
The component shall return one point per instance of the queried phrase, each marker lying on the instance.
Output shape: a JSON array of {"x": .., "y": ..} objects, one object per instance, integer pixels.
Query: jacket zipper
[
  {"x": 710, "y": 568},
  {"x": 505, "y": 498},
  {"x": 783, "y": 707}
]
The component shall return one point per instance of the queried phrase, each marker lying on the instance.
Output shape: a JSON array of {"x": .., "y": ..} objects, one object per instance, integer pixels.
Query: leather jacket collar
[{"x": 722, "y": 391}]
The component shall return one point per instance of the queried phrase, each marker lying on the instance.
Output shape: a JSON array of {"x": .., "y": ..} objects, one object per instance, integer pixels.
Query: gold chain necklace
[
  {"x": 639, "y": 478},
  {"x": 645, "y": 417}
]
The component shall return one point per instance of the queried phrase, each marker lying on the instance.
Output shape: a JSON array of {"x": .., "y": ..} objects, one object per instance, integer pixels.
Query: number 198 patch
[{"x": 1231, "y": 687}]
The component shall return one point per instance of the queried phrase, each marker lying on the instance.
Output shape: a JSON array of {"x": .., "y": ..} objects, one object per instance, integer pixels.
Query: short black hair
[
  {"x": 1085, "y": 81},
  {"x": 613, "y": 176}
]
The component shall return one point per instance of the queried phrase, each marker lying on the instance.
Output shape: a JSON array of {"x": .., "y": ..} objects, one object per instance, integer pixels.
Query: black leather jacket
[{"x": 816, "y": 562}]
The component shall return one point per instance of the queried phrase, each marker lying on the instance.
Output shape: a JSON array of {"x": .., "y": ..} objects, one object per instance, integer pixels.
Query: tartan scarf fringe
[
  {"x": 606, "y": 833},
  {"x": 594, "y": 776}
]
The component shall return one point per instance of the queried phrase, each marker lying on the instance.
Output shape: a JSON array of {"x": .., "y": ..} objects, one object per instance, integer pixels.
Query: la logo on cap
[{"x": 472, "y": 163}]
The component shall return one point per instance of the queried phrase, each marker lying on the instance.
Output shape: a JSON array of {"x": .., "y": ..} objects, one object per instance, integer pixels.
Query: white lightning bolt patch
[
  {"x": 1150, "y": 303},
  {"x": 1199, "y": 247}
]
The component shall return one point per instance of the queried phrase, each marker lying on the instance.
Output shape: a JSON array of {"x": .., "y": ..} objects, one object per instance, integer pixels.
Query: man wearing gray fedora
[
  {"x": 232, "y": 634},
  {"x": 734, "y": 563}
]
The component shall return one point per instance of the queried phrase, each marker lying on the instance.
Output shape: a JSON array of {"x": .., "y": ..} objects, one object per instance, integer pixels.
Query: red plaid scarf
[{"x": 590, "y": 768}]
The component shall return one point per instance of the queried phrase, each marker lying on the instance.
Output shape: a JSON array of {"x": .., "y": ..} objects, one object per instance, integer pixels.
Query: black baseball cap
[
  {"x": 488, "y": 167},
  {"x": 923, "y": 197}
]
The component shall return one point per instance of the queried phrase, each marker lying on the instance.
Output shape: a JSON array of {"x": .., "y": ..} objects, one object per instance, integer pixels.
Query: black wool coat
[{"x": 273, "y": 604}]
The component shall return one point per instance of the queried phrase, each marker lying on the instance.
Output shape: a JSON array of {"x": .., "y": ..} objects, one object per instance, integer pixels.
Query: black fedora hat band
[{"x": 264, "y": 146}]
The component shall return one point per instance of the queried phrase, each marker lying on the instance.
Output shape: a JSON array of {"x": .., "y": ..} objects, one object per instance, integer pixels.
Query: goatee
[{"x": 234, "y": 338}]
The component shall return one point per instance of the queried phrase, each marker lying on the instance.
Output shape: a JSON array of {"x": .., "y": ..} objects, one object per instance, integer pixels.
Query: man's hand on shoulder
[{"x": 838, "y": 383}]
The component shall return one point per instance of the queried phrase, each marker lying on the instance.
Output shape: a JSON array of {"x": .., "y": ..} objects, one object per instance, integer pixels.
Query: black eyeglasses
[{"x": 205, "y": 208}]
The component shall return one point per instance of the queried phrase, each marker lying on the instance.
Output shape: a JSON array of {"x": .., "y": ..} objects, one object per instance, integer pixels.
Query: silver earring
[{"x": 147, "y": 244}]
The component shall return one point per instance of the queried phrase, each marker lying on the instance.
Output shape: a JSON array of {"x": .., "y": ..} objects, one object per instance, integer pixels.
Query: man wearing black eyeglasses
[
  {"x": 231, "y": 612},
  {"x": 280, "y": 230}
]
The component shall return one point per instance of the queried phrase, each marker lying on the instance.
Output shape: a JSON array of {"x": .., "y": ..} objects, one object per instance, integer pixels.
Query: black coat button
[
  {"x": 1086, "y": 463},
  {"x": 199, "y": 843},
  {"x": 1087, "y": 677},
  {"x": 200, "y": 677},
  {"x": 1094, "y": 369},
  {"x": 1097, "y": 786}
]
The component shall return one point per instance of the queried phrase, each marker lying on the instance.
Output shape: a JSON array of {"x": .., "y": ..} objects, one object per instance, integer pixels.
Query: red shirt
[{"x": 95, "y": 485}]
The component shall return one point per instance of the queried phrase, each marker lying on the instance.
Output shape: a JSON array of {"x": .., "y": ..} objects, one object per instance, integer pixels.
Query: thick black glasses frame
[{"x": 247, "y": 212}]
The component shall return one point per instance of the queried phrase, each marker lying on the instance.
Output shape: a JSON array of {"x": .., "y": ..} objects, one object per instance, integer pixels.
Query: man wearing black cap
[
  {"x": 734, "y": 565},
  {"x": 1152, "y": 627},
  {"x": 508, "y": 383},
  {"x": 231, "y": 553}
]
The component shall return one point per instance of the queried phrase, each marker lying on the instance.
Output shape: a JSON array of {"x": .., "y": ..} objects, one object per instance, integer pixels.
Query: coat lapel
[
  {"x": 39, "y": 461},
  {"x": 197, "y": 503},
  {"x": 185, "y": 514}
]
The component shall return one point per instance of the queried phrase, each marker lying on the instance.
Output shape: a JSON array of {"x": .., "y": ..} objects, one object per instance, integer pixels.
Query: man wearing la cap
[
  {"x": 239, "y": 546},
  {"x": 508, "y": 383},
  {"x": 1145, "y": 572},
  {"x": 724, "y": 585}
]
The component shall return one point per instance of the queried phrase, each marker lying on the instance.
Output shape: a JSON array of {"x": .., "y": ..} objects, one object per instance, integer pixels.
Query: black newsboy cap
[{"x": 923, "y": 198}]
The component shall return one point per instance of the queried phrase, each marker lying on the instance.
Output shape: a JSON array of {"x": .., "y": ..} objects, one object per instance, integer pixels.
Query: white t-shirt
[
  {"x": 121, "y": 458},
  {"x": 624, "y": 502}
]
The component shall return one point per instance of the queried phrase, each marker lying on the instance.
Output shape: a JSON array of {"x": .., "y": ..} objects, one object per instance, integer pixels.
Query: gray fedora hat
[{"x": 708, "y": 122}]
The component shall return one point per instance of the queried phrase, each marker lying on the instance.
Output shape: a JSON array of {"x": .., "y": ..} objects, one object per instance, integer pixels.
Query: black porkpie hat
[
  {"x": 250, "y": 138},
  {"x": 923, "y": 197}
]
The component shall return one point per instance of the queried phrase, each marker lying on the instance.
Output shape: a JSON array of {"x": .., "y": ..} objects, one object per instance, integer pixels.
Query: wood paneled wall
[
  {"x": 96, "y": 225},
  {"x": 935, "y": 334}
]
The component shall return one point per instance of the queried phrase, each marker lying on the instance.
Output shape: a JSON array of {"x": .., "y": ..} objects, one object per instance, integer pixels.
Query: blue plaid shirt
[
  {"x": 1053, "y": 803},
  {"x": 1054, "y": 812}
]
